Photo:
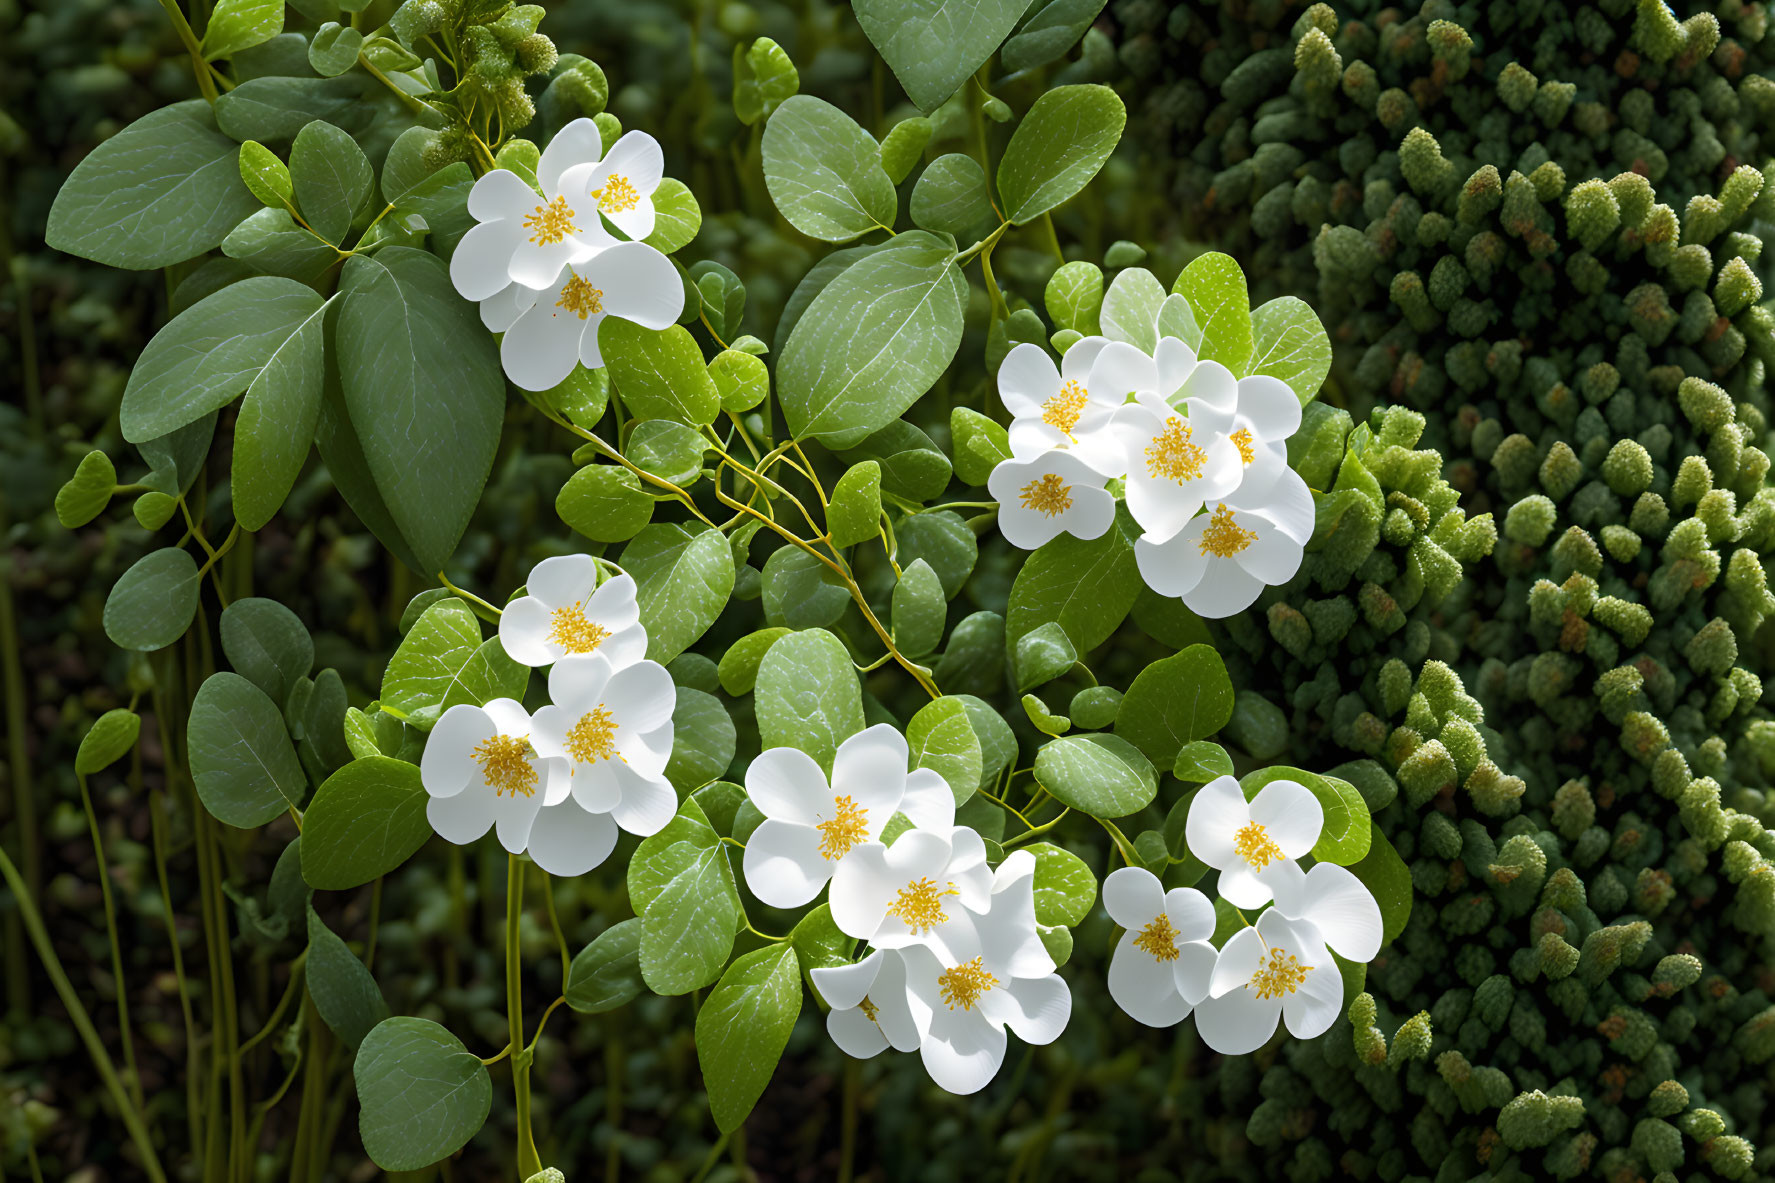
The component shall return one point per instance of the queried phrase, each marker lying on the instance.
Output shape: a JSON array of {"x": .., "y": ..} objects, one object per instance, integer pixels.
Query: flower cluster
[
  {"x": 561, "y": 782},
  {"x": 546, "y": 263},
  {"x": 1279, "y": 969},
  {"x": 1200, "y": 457}
]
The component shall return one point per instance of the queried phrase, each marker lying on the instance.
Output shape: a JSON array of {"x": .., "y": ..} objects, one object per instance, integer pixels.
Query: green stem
[
  {"x": 709, "y": 1162},
  {"x": 24, "y": 800},
  {"x": 121, "y": 982},
  {"x": 528, "y": 1161},
  {"x": 1041, "y": 829},
  {"x": 132, "y": 1121},
  {"x": 205, "y": 82},
  {"x": 484, "y": 610}
]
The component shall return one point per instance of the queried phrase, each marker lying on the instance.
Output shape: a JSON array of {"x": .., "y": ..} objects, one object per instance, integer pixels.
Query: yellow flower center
[
  {"x": 1159, "y": 939},
  {"x": 847, "y": 827},
  {"x": 1062, "y": 410},
  {"x": 617, "y": 196},
  {"x": 572, "y": 631},
  {"x": 593, "y": 738},
  {"x": 552, "y": 222},
  {"x": 1242, "y": 440},
  {"x": 1254, "y": 845},
  {"x": 1224, "y": 537},
  {"x": 581, "y": 298},
  {"x": 920, "y": 904},
  {"x": 1281, "y": 974},
  {"x": 1047, "y": 495},
  {"x": 505, "y": 765},
  {"x": 1173, "y": 456},
  {"x": 963, "y": 985}
]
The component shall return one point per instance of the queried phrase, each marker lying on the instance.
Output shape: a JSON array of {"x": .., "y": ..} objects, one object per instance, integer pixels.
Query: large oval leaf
[
  {"x": 933, "y": 45},
  {"x": 365, "y": 820},
  {"x": 1085, "y": 587},
  {"x": 421, "y": 1094},
  {"x": 807, "y": 695},
  {"x": 607, "y": 972},
  {"x": 1058, "y": 148},
  {"x": 683, "y": 576},
  {"x": 267, "y": 644},
  {"x": 344, "y": 992},
  {"x": 151, "y": 606},
  {"x": 742, "y": 1029},
  {"x": 1175, "y": 701},
  {"x": 824, "y": 172},
  {"x": 1102, "y": 775},
  {"x": 242, "y": 761}
]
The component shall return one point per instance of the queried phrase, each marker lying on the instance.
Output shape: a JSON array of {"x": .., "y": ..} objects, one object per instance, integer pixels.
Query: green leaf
[
  {"x": 607, "y": 972},
  {"x": 918, "y": 609},
  {"x": 800, "y": 591},
  {"x": 1131, "y": 308},
  {"x": 808, "y": 696},
  {"x": 824, "y": 172},
  {"x": 211, "y": 352},
  {"x": 365, "y": 820},
  {"x": 265, "y": 176},
  {"x": 154, "y": 602},
  {"x": 1048, "y": 34},
  {"x": 1065, "y": 889},
  {"x": 913, "y": 467},
  {"x": 669, "y": 450},
  {"x": 980, "y": 444},
  {"x": 1074, "y": 297},
  {"x": 950, "y": 197},
  {"x": 873, "y": 341},
  {"x": 276, "y": 423},
  {"x": 1289, "y": 342},
  {"x": 272, "y": 242},
  {"x": 1102, "y": 775},
  {"x": 741, "y": 380},
  {"x": 424, "y": 392},
  {"x": 684, "y": 576},
  {"x": 1214, "y": 285},
  {"x": 332, "y": 179},
  {"x": 164, "y": 189},
  {"x": 267, "y": 644},
  {"x": 817, "y": 279},
  {"x": 1058, "y": 148},
  {"x": 941, "y": 737},
  {"x": 344, "y": 992},
  {"x": 763, "y": 78},
  {"x": 1095, "y": 707},
  {"x": 904, "y": 146},
  {"x": 738, "y": 670},
  {"x": 421, "y": 1094},
  {"x": 109, "y": 739},
  {"x": 944, "y": 541},
  {"x": 241, "y": 24},
  {"x": 818, "y": 942},
  {"x": 1175, "y": 701},
  {"x": 660, "y": 372},
  {"x": 1043, "y": 655},
  {"x": 742, "y": 1029},
  {"x": 242, "y": 761},
  {"x": 334, "y": 49},
  {"x": 854, "y": 513},
  {"x": 1200, "y": 762},
  {"x": 87, "y": 492},
  {"x": 703, "y": 740},
  {"x": 1385, "y": 875},
  {"x": 998, "y": 744},
  {"x": 1045, "y": 721},
  {"x": 676, "y": 217},
  {"x": 933, "y": 45},
  {"x": 1345, "y": 837},
  {"x": 681, "y": 881},
  {"x": 272, "y": 110},
  {"x": 605, "y": 503},
  {"x": 428, "y": 667},
  {"x": 1086, "y": 587}
]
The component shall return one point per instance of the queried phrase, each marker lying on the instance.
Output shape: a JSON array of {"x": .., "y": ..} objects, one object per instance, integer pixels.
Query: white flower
[
  {"x": 525, "y": 238},
  {"x": 962, "y": 1009},
  {"x": 1279, "y": 969},
  {"x": 924, "y": 889},
  {"x": 621, "y": 186},
  {"x": 1050, "y": 494},
  {"x": 1163, "y": 965},
  {"x": 1259, "y": 417},
  {"x": 482, "y": 769},
  {"x": 870, "y": 1007},
  {"x": 561, "y": 614},
  {"x": 1246, "y": 841},
  {"x": 1222, "y": 560},
  {"x": 1173, "y": 464},
  {"x": 811, "y": 826},
  {"x": 1337, "y": 905},
  {"x": 1070, "y": 408},
  {"x": 559, "y": 327},
  {"x": 612, "y": 733}
]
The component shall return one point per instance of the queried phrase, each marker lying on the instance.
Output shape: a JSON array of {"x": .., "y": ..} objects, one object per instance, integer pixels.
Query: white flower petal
[
  {"x": 639, "y": 284},
  {"x": 638, "y": 158},
  {"x": 577, "y": 681},
  {"x": 1225, "y": 588},
  {"x": 928, "y": 800},
  {"x": 641, "y": 697},
  {"x": 638, "y": 222},
  {"x": 1133, "y": 897},
  {"x": 480, "y": 268},
  {"x": 1092, "y": 514},
  {"x": 845, "y": 986},
  {"x": 870, "y": 769},
  {"x": 1211, "y": 383},
  {"x": 863, "y": 887},
  {"x": 566, "y": 840},
  {"x": 500, "y": 194},
  {"x": 1311, "y": 1010},
  {"x": 1239, "y": 959},
  {"x": 613, "y": 605},
  {"x": 1175, "y": 360},
  {"x": 786, "y": 783},
  {"x": 1079, "y": 358},
  {"x": 893, "y": 1005},
  {"x": 1173, "y": 567},
  {"x": 540, "y": 351},
  {"x": 1272, "y": 557},
  {"x": 1291, "y": 816},
  {"x": 447, "y": 765},
  {"x": 1144, "y": 987},
  {"x": 1031, "y": 438},
  {"x": 646, "y": 804},
  {"x": 855, "y": 1033},
  {"x": 1270, "y": 405},
  {"x": 562, "y": 581},
  {"x": 1240, "y": 887},
  {"x": 1344, "y": 912},
  {"x": 962, "y": 1051},
  {"x": 624, "y": 647},
  {"x": 501, "y": 310},
  {"x": 514, "y": 816},
  {"x": 541, "y": 265},
  {"x": 783, "y": 864},
  {"x": 1288, "y": 503},
  {"x": 1026, "y": 379},
  {"x": 1190, "y": 913},
  {"x": 1026, "y": 529},
  {"x": 1238, "y": 1023},
  {"x": 1217, "y": 813},
  {"x": 1287, "y": 885},
  {"x": 524, "y": 627},
  {"x": 1193, "y": 971},
  {"x": 1038, "y": 1008},
  {"x": 597, "y": 787},
  {"x": 509, "y": 716},
  {"x": 463, "y": 817},
  {"x": 1121, "y": 370},
  {"x": 579, "y": 143}
]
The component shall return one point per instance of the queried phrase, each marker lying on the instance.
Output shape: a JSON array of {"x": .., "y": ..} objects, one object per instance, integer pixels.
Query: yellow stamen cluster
[
  {"x": 1254, "y": 844},
  {"x": 593, "y": 738},
  {"x": 1047, "y": 495},
  {"x": 505, "y": 765},
  {"x": 1173, "y": 456},
  {"x": 869, "y": 1009},
  {"x": 581, "y": 298},
  {"x": 920, "y": 904},
  {"x": 552, "y": 222},
  {"x": 1061, "y": 411},
  {"x": 1247, "y": 448},
  {"x": 617, "y": 196},
  {"x": 1281, "y": 974},
  {"x": 573, "y": 631},
  {"x": 1224, "y": 537},
  {"x": 963, "y": 985},
  {"x": 848, "y": 826},
  {"x": 1159, "y": 939}
]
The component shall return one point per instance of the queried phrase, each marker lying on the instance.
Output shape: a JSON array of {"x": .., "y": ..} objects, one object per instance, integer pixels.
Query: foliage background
[{"x": 1198, "y": 169}]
